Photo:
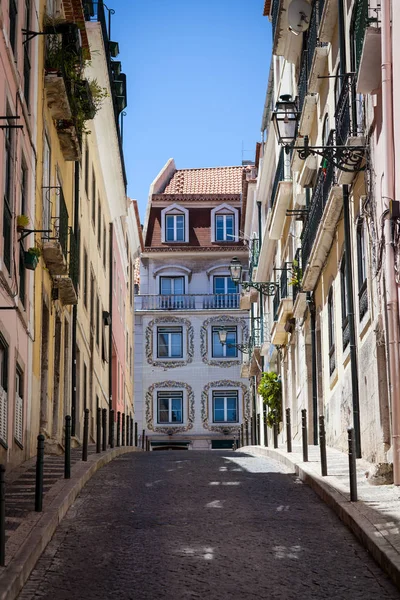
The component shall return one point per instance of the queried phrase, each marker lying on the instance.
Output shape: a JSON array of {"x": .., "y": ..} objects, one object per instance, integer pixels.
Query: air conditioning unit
[{"x": 308, "y": 171}]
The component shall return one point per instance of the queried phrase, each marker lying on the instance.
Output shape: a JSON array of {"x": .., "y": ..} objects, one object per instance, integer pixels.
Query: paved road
[{"x": 185, "y": 525}]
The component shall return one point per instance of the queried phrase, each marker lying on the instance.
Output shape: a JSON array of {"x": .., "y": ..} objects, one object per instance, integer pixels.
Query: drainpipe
[
  {"x": 311, "y": 308},
  {"x": 110, "y": 336},
  {"x": 75, "y": 307},
  {"x": 388, "y": 188}
]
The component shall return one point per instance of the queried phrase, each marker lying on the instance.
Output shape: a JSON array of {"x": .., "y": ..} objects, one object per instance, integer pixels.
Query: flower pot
[{"x": 30, "y": 261}]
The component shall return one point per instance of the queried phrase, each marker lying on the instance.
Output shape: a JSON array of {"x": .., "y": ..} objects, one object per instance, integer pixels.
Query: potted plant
[
  {"x": 296, "y": 274},
  {"x": 31, "y": 258},
  {"x": 270, "y": 389},
  {"x": 22, "y": 222}
]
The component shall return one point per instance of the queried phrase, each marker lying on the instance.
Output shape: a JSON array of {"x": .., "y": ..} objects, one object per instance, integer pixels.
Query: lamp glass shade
[
  {"x": 222, "y": 333},
  {"x": 235, "y": 269},
  {"x": 285, "y": 119}
]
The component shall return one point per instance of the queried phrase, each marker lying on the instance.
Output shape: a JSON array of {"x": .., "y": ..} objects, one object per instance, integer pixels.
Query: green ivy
[{"x": 270, "y": 389}]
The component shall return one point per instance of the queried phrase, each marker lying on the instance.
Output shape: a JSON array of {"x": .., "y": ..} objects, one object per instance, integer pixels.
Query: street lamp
[
  {"x": 267, "y": 288},
  {"x": 286, "y": 118}
]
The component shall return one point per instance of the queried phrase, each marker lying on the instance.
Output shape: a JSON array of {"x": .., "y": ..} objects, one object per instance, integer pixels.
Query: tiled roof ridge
[{"x": 206, "y": 180}]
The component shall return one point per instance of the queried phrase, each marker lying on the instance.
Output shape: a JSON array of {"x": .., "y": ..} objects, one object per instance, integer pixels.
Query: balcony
[
  {"x": 325, "y": 208},
  {"x": 348, "y": 123},
  {"x": 67, "y": 285},
  {"x": 283, "y": 307},
  {"x": 281, "y": 195},
  {"x": 254, "y": 248},
  {"x": 328, "y": 11},
  {"x": 185, "y": 302},
  {"x": 317, "y": 51},
  {"x": 299, "y": 297},
  {"x": 368, "y": 49},
  {"x": 307, "y": 101}
]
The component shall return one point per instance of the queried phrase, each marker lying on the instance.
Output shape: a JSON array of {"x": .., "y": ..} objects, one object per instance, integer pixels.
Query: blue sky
[{"x": 197, "y": 74}]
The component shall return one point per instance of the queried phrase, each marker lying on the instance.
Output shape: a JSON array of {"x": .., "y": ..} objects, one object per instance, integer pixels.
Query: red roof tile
[{"x": 217, "y": 180}]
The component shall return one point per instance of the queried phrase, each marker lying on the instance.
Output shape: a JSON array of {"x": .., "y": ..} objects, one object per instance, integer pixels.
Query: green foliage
[
  {"x": 35, "y": 251},
  {"x": 22, "y": 221},
  {"x": 270, "y": 389},
  {"x": 296, "y": 274}
]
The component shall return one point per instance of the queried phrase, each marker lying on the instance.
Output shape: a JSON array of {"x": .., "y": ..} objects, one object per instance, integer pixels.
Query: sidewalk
[
  {"x": 374, "y": 519},
  {"x": 29, "y": 532}
]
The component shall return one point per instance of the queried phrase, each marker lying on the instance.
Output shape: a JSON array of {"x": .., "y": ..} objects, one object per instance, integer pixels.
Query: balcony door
[
  {"x": 172, "y": 290},
  {"x": 225, "y": 292}
]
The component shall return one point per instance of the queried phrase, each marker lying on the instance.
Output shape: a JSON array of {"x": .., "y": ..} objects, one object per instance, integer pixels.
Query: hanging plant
[
  {"x": 296, "y": 274},
  {"x": 31, "y": 258},
  {"x": 22, "y": 222},
  {"x": 270, "y": 389}
]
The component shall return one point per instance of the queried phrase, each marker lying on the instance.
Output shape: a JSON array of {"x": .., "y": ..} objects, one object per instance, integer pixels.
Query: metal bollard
[
  {"x": 104, "y": 423},
  {"x": 352, "y": 465},
  {"x": 247, "y": 433},
  {"x": 67, "y": 457},
  {"x": 304, "y": 434},
  {"x": 242, "y": 434},
  {"x": 131, "y": 430},
  {"x": 288, "y": 431},
  {"x": 98, "y": 430},
  {"x": 112, "y": 427},
  {"x": 2, "y": 516},
  {"x": 136, "y": 434},
  {"x": 275, "y": 431},
  {"x": 322, "y": 446},
  {"x": 234, "y": 444},
  {"x": 238, "y": 442},
  {"x": 123, "y": 429},
  {"x": 85, "y": 434},
  {"x": 118, "y": 429},
  {"x": 39, "y": 473},
  {"x": 265, "y": 430},
  {"x": 143, "y": 439}
]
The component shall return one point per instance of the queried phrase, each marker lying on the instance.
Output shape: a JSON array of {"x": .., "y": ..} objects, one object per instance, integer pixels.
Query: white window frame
[
  {"x": 170, "y": 395},
  {"x": 174, "y": 209},
  {"x": 172, "y": 329},
  {"x": 225, "y": 209},
  {"x": 230, "y": 329},
  {"x": 229, "y": 394}
]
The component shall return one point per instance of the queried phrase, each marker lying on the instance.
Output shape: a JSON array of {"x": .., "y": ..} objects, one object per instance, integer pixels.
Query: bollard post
[
  {"x": 275, "y": 431},
  {"x": 98, "y": 430},
  {"x": 85, "y": 434},
  {"x": 112, "y": 428},
  {"x": 239, "y": 440},
  {"x": 67, "y": 457},
  {"x": 104, "y": 423},
  {"x": 118, "y": 429},
  {"x": 247, "y": 432},
  {"x": 147, "y": 444},
  {"x": 304, "y": 434},
  {"x": 131, "y": 430},
  {"x": 242, "y": 434},
  {"x": 136, "y": 434},
  {"x": 322, "y": 446},
  {"x": 123, "y": 429},
  {"x": 234, "y": 443},
  {"x": 352, "y": 464},
  {"x": 2, "y": 516},
  {"x": 143, "y": 439},
  {"x": 288, "y": 431},
  {"x": 39, "y": 473},
  {"x": 265, "y": 430}
]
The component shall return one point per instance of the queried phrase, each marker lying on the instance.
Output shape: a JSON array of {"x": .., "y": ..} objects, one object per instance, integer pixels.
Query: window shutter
[
  {"x": 19, "y": 411},
  {"x": 3, "y": 415}
]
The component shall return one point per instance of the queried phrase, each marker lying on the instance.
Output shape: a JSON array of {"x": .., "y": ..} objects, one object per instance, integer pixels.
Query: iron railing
[
  {"x": 21, "y": 273},
  {"x": 254, "y": 255},
  {"x": 363, "y": 300},
  {"x": 275, "y": 303},
  {"x": 320, "y": 4},
  {"x": 58, "y": 219},
  {"x": 281, "y": 174},
  {"x": 274, "y": 16},
  {"x": 360, "y": 25},
  {"x": 348, "y": 120},
  {"x": 319, "y": 198},
  {"x": 73, "y": 267},
  {"x": 297, "y": 273},
  {"x": 7, "y": 234},
  {"x": 187, "y": 302},
  {"x": 303, "y": 80},
  {"x": 345, "y": 332}
]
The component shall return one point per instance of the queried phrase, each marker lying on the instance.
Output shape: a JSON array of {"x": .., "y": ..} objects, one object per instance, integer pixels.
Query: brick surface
[{"x": 209, "y": 525}]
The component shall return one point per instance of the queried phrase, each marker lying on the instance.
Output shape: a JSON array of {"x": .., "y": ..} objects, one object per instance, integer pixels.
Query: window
[
  {"x": 97, "y": 321},
  {"x": 175, "y": 228},
  {"x": 170, "y": 406},
  {"x": 27, "y": 59},
  {"x": 85, "y": 278},
  {"x": 331, "y": 333},
  {"x": 169, "y": 342},
  {"x": 93, "y": 198},
  {"x": 226, "y": 292},
  {"x": 13, "y": 12},
  {"x": 23, "y": 211},
  {"x": 225, "y": 406},
  {"x": 224, "y": 228},
  {"x": 104, "y": 247},
  {"x": 362, "y": 269},
  {"x": 46, "y": 183},
  {"x": 344, "y": 293},
  {"x": 227, "y": 350},
  {"x": 87, "y": 169},
  {"x": 171, "y": 291},
  {"x": 8, "y": 207},
  {"x": 3, "y": 389},
  {"x": 19, "y": 406},
  {"x": 99, "y": 223},
  {"x": 175, "y": 221}
]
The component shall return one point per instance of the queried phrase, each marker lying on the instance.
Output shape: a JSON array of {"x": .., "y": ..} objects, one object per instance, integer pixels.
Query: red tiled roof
[
  {"x": 267, "y": 8},
  {"x": 217, "y": 180}
]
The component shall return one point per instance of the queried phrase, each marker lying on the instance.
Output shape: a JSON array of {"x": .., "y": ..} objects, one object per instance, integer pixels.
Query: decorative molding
[
  {"x": 224, "y": 383},
  {"x": 225, "y": 209},
  {"x": 169, "y": 364},
  {"x": 184, "y": 247},
  {"x": 174, "y": 209},
  {"x": 190, "y": 410},
  {"x": 224, "y": 268},
  {"x": 172, "y": 268},
  {"x": 222, "y": 319}
]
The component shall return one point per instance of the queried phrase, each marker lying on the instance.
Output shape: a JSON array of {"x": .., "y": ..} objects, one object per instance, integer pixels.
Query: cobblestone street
[{"x": 211, "y": 525}]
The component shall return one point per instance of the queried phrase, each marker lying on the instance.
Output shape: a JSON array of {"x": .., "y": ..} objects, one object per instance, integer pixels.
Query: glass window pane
[
  {"x": 232, "y": 287},
  {"x": 163, "y": 344},
  {"x": 217, "y": 349},
  {"x": 178, "y": 285},
  {"x": 219, "y": 228},
  {"x": 176, "y": 344},
  {"x": 165, "y": 285},
  {"x": 231, "y": 414},
  {"x": 219, "y": 403},
  {"x": 170, "y": 228},
  {"x": 180, "y": 228},
  {"x": 229, "y": 227},
  {"x": 219, "y": 285},
  {"x": 163, "y": 416}
]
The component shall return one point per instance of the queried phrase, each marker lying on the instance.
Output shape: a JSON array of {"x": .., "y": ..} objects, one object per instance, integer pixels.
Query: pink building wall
[
  {"x": 15, "y": 323},
  {"x": 118, "y": 328}
]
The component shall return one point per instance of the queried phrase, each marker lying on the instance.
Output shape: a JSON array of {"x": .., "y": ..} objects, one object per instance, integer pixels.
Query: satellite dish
[{"x": 299, "y": 12}]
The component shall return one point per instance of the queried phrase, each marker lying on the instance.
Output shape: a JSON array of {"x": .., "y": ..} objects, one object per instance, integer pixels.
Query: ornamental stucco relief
[
  {"x": 224, "y": 383},
  {"x": 170, "y": 429},
  {"x": 169, "y": 364},
  {"x": 222, "y": 320}
]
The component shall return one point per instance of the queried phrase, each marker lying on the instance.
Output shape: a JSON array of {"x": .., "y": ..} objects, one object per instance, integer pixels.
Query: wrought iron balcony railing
[
  {"x": 56, "y": 219},
  {"x": 187, "y": 302},
  {"x": 363, "y": 300},
  {"x": 319, "y": 199},
  {"x": 254, "y": 255},
  {"x": 348, "y": 113},
  {"x": 297, "y": 272},
  {"x": 282, "y": 173},
  {"x": 360, "y": 25}
]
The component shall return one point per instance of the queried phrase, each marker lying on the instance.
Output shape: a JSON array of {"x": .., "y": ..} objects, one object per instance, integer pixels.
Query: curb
[
  {"x": 15, "y": 574},
  {"x": 354, "y": 515}
]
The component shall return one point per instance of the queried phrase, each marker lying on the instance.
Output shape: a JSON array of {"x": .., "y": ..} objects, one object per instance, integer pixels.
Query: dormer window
[
  {"x": 175, "y": 224},
  {"x": 224, "y": 224}
]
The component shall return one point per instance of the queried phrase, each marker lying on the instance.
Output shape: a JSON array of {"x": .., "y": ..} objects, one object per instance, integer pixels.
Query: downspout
[
  {"x": 75, "y": 307},
  {"x": 260, "y": 296},
  {"x": 311, "y": 307},
  {"x": 388, "y": 188},
  {"x": 110, "y": 336}
]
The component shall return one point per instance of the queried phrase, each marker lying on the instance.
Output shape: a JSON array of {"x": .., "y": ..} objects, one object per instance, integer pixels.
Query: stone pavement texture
[
  {"x": 28, "y": 532},
  {"x": 374, "y": 518},
  {"x": 211, "y": 525}
]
